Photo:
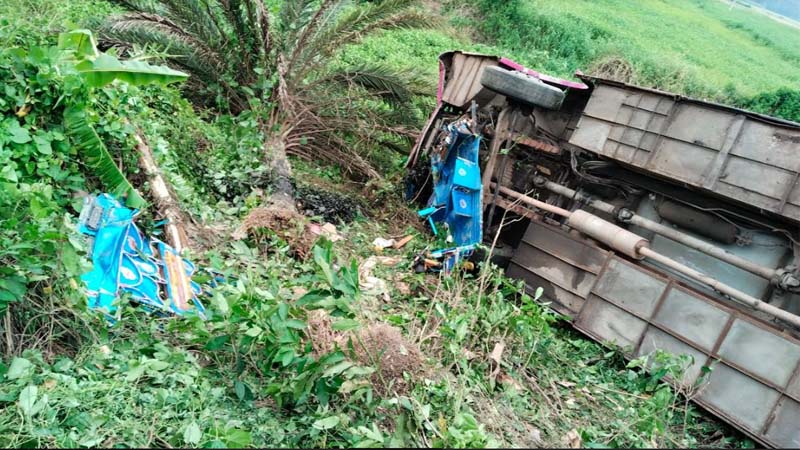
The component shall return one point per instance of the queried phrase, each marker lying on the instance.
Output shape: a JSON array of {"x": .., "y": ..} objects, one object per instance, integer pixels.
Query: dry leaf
[
  {"x": 402, "y": 242},
  {"x": 573, "y": 439},
  {"x": 536, "y": 435},
  {"x": 403, "y": 287},
  {"x": 497, "y": 353},
  {"x": 505, "y": 379}
]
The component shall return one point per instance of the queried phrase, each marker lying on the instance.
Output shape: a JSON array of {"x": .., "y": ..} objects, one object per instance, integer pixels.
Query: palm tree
[{"x": 240, "y": 54}]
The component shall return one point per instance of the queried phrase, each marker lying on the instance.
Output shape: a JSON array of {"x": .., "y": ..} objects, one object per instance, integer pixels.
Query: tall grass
[{"x": 702, "y": 48}]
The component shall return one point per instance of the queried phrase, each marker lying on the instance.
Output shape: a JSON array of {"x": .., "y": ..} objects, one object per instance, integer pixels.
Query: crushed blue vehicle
[
  {"x": 457, "y": 197},
  {"x": 126, "y": 261}
]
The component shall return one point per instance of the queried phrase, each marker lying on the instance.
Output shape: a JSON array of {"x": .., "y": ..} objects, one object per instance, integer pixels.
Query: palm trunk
[
  {"x": 275, "y": 146},
  {"x": 283, "y": 193}
]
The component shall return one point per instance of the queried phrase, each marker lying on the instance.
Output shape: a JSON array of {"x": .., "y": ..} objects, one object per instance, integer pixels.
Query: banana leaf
[
  {"x": 96, "y": 156},
  {"x": 100, "y": 69},
  {"x": 80, "y": 42},
  {"x": 105, "y": 68}
]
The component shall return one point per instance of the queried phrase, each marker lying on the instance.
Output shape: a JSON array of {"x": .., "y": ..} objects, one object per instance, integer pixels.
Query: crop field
[{"x": 704, "y": 48}]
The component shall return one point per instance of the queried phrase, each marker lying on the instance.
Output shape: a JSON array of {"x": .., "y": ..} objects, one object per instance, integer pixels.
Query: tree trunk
[
  {"x": 283, "y": 193},
  {"x": 168, "y": 206}
]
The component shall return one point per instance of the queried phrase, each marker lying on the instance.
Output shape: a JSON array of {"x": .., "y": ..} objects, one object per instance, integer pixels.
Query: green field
[{"x": 703, "y": 48}]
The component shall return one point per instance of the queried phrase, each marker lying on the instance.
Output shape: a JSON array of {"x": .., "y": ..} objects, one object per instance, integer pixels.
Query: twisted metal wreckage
[
  {"x": 125, "y": 261},
  {"x": 651, "y": 220}
]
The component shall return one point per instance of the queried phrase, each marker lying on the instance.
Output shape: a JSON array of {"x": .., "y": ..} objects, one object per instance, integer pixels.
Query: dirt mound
[
  {"x": 383, "y": 345},
  {"x": 378, "y": 345},
  {"x": 614, "y": 68},
  {"x": 285, "y": 223}
]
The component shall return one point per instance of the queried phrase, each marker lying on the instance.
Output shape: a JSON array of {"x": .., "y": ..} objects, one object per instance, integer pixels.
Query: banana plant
[{"x": 99, "y": 69}]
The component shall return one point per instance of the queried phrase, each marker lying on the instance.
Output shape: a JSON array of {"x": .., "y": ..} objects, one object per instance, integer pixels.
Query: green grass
[
  {"x": 703, "y": 48},
  {"x": 245, "y": 378}
]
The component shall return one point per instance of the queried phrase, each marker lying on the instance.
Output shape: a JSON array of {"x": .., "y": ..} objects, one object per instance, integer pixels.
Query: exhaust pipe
[{"x": 638, "y": 247}]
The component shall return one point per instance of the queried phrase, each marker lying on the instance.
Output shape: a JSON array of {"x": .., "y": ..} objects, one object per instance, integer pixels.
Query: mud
[{"x": 333, "y": 207}]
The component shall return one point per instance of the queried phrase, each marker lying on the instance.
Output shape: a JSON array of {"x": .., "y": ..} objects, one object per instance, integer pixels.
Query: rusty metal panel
[
  {"x": 464, "y": 78},
  {"x": 739, "y": 397},
  {"x": 785, "y": 428},
  {"x": 558, "y": 243},
  {"x": 655, "y": 339},
  {"x": 733, "y": 153},
  {"x": 794, "y": 386},
  {"x": 563, "y": 266},
  {"x": 558, "y": 272},
  {"x": 630, "y": 288},
  {"x": 755, "y": 381},
  {"x": 694, "y": 319},
  {"x": 563, "y": 301},
  {"x": 609, "y": 323},
  {"x": 760, "y": 352}
]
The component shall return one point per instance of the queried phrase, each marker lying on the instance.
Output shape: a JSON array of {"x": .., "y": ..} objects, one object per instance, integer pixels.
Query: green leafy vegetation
[
  {"x": 243, "y": 59},
  {"x": 301, "y": 352},
  {"x": 704, "y": 48}
]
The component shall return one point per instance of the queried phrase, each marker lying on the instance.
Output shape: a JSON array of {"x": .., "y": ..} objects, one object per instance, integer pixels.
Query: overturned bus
[{"x": 651, "y": 220}]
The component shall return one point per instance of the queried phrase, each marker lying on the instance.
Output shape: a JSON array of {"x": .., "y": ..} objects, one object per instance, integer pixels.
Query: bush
[{"x": 783, "y": 103}]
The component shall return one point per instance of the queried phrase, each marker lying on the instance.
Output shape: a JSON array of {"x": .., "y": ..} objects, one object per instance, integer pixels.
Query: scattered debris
[
  {"x": 497, "y": 355},
  {"x": 504, "y": 378},
  {"x": 381, "y": 243},
  {"x": 373, "y": 284},
  {"x": 402, "y": 287},
  {"x": 388, "y": 260},
  {"x": 536, "y": 435},
  {"x": 573, "y": 439},
  {"x": 328, "y": 230},
  {"x": 124, "y": 260},
  {"x": 402, "y": 242},
  {"x": 469, "y": 354}
]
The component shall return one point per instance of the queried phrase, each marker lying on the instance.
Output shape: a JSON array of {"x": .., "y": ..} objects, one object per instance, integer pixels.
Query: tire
[{"x": 521, "y": 87}]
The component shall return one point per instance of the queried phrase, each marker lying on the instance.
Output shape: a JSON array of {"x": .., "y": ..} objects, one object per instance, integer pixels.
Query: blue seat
[
  {"x": 467, "y": 174},
  {"x": 464, "y": 203}
]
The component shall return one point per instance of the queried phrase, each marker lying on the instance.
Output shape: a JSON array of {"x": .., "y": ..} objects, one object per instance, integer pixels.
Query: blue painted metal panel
[{"x": 456, "y": 200}]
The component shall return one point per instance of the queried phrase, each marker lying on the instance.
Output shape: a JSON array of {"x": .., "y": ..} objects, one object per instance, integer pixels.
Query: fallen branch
[{"x": 168, "y": 206}]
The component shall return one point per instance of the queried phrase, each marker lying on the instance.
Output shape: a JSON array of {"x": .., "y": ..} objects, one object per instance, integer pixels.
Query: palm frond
[
  {"x": 96, "y": 156},
  {"x": 292, "y": 14},
  {"x": 351, "y": 26},
  {"x": 196, "y": 19},
  {"x": 390, "y": 85},
  {"x": 259, "y": 28},
  {"x": 146, "y": 28},
  {"x": 310, "y": 27},
  {"x": 148, "y": 6}
]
